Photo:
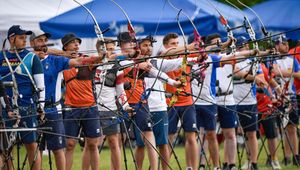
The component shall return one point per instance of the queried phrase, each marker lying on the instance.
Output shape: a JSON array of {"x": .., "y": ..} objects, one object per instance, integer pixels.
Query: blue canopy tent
[
  {"x": 155, "y": 17},
  {"x": 279, "y": 15},
  {"x": 234, "y": 17}
]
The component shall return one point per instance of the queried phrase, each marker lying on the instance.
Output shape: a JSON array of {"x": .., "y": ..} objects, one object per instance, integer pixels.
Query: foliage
[{"x": 247, "y": 2}]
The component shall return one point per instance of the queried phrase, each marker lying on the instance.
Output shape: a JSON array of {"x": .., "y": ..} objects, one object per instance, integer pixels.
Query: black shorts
[{"x": 270, "y": 125}]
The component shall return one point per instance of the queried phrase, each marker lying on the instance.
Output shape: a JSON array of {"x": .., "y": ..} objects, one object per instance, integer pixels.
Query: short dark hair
[
  {"x": 106, "y": 41},
  {"x": 211, "y": 37},
  {"x": 168, "y": 37}
]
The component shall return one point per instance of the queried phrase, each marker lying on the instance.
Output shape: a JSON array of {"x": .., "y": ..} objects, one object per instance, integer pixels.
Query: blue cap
[
  {"x": 241, "y": 41},
  {"x": 280, "y": 39},
  {"x": 17, "y": 30}
]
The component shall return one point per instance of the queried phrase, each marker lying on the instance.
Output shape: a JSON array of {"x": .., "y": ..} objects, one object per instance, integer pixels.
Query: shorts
[
  {"x": 160, "y": 129},
  {"x": 90, "y": 127},
  {"x": 227, "y": 116},
  {"x": 249, "y": 124},
  {"x": 110, "y": 123},
  {"x": 269, "y": 125},
  {"x": 187, "y": 114},
  {"x": 293, "y": 114},
  {"x": 142, "y": 117},
  {"x": 294, "y": 117},
  {"x": 206, "y": 116},
  {"x": 56, "y": 140}
]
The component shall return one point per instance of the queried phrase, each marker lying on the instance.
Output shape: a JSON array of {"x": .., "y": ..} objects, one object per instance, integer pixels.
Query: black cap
[
  {"x": 149, "y": 38},
  {"x": 17, "y": 30},
  {"x": 124, "y": 37},
  {"x": 211, "y": 37},
  {"x": 68, "y": 38}
]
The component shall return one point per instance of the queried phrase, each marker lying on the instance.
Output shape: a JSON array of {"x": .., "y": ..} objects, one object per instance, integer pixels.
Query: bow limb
[
  {"x": 266, "y": 34},
  {"x": 100, "y": 38},
  {"x": 129, "y": 26},
  {"x": 229, "y": 31},
  {"x": 183, "y": 77},
  {"x": 136, "y": 48},
  {"x": 263, "y": 28},
  {"x": 98, "y": 31},
  {"x": 197, "y": 38},
  {"x": 15, "y": 106},
  {"x": 249, "y": 29},
  {"x": 224, "y": 22},
  {"x": 38, "y": 90},
  {"x": 247, "y": 25}
]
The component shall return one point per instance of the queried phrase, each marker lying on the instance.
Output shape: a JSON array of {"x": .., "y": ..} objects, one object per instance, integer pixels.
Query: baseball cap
[
  {"x": 38, "y": 33},
  {"x": 280, "y": 39},
  {"x": 17, "y": 30},
  {"x": 241, "y": 41}
]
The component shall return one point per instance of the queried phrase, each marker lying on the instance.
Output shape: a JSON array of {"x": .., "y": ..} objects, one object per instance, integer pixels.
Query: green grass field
[{"x": 105, "y": 160}]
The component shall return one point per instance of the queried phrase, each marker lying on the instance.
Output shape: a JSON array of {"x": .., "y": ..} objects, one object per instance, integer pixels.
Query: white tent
[{"x": 28, "y": 13}]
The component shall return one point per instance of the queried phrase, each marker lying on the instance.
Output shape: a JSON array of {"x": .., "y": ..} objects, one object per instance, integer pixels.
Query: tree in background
[{"x": 247, "y": 2}]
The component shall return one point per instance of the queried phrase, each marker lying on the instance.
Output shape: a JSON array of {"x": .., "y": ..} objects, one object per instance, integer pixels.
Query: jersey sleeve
[
  {"x": 216, "y": 60},
  {"x": 62, "y": 63},
  {"x": 259, "y": 70},
  {"x": 296, "y": 66}
]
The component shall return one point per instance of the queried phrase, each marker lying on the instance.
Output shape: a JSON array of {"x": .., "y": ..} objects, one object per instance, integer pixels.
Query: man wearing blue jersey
[
  {"x": 205, "y": 97},
  {"x": 53, "y": 67},
  {"x": 246, "y": 103},
  {"x": 28, "y": 73}
]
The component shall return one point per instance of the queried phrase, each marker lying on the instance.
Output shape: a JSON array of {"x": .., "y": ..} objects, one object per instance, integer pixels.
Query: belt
[
  {"x": 51, "y": 104},
  {"x": 225, "y": 93}
]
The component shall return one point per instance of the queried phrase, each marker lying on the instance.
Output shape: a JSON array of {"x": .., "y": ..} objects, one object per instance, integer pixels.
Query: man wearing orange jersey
[
  {"x": 80, "y": 98},
  {"x": 183, "y": 109}
]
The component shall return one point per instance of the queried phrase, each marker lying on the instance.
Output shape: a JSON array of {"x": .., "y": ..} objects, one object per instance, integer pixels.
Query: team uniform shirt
[
  {"x": 157, "y": 98},
  {"x": 107, "y": 94},
  {"x": 290, "y": 65},
  {"x": 182, "y": 100},
  {"x": 225, "y": 85},
  {"x": 53, "y": 67},
  {"x": 245, "y": 93},
  {"x": 208, "y": 92},
  {"x": 295, "y": 52},
  {"x": 24, "y": 84},
  {"x": 79, "y": 93},
  {"x": 264, "y": 95},
  {"x": 297, "y": 56},
  {"x": 134, "y": 94}
]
